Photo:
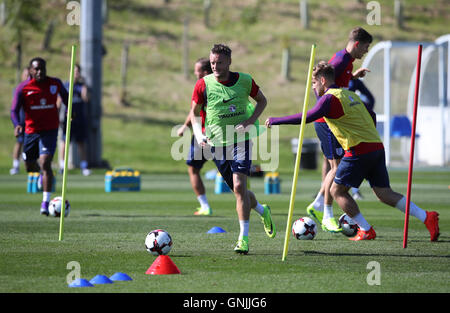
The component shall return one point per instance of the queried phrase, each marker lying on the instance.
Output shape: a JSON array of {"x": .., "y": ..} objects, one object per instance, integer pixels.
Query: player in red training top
[
  {"x": 38, "y": 99},
  {"x": 321, "y": 208},
  {"x": 197, "y": 155}
]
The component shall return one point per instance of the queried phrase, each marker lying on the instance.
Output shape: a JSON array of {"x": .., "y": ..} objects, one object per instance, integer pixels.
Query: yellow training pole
[
  {"x": 299, "y": 153},
  {"x": 66, "y": 150}
]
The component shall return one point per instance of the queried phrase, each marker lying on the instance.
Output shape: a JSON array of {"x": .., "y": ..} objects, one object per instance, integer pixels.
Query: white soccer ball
[
  {"x": 304, "y": 228},
  {"x": 54, "y": 207},
  {"x": 349, "y": 227},
  {"x": 158, "y": 242}
]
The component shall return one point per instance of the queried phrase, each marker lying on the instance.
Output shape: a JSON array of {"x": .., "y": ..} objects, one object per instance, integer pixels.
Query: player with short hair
[
  {"x": 38, "y": 99},
  {"x": 230, "y": 119},
  {"x": 196, "y": 158},
  {"x": 354, "y": 127},
  {"x": 321, "y": 209}
]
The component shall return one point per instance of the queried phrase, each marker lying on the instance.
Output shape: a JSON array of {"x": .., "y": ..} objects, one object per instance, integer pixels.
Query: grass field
[{"x": 105, "y": 234}]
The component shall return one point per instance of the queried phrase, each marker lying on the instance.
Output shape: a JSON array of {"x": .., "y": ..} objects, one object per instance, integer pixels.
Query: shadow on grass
[
  {"x": 149, "y": 215},
  {"x": 374, "y": 254}
]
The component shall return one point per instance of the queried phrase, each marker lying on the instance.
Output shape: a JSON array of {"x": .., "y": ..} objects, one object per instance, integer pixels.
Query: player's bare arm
[
  {"x": 360, "y": 72},
  {"x": 186, "y": 124},
  {"x": 196, "y": 122}
]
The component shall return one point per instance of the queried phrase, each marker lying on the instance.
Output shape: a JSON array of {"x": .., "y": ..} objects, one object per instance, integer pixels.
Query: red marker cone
[{"x": 163, "y": 265}]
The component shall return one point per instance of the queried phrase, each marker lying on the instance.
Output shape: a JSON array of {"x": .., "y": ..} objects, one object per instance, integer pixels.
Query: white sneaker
[
  {"x": 14, "y": 171},
  {"x": 86, "y": 172}
]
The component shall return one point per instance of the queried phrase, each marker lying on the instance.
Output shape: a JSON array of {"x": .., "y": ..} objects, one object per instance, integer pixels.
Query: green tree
[{"x": 21, "y": 16}]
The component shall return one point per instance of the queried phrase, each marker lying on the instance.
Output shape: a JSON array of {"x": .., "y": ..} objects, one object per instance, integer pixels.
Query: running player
[
  {"x": 196, "y": 158},
  {"x": 354, "y": 127},
  {"x": 38, "y": 99},
  {"x": 230, "y": 114},
  {"x": 321, "y": 209}
]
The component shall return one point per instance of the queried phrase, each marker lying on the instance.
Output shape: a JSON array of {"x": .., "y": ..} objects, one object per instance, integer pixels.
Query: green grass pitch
[{"x": 105, "y": 234}]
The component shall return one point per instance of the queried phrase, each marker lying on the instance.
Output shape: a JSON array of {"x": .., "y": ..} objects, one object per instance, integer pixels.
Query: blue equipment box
[
  {"x": 272, "y": 183},
  {"x": 122, "y": 179}
]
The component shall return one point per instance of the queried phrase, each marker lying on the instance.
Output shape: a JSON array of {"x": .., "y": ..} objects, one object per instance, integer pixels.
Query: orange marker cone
[{"x": 163, "y": 265}]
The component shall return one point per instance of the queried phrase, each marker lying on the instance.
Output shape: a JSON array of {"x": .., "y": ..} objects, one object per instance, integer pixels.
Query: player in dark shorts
[
  {"x": 353, "y": 125},
  {"x": 196, "y": 157},
  {"x": 38, "y": 99},
  {"x": 225, "y": 95},
  {"x": 321, "y": 209}
]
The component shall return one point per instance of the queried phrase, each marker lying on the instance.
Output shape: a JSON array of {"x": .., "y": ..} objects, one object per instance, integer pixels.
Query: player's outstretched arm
[{"x": 360, "y": 72}]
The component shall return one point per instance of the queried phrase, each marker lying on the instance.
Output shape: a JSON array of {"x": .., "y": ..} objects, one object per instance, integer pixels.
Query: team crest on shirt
[
  {"x": 232, "y": 108},
  {"x": 53, "y": 89}
]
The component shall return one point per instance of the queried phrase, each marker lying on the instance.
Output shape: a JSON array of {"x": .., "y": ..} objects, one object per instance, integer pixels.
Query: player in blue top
[
  {"x": 321, "y": 209},
  {"x": 79, "y": 124}
]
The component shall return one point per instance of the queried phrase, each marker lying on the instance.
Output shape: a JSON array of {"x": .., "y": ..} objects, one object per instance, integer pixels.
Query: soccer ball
[
  {"x": 158, "y": 242},
  {"x": 54, "y": 207},
  {"x": 349, "y": 228},
  {"x": 304, "y": 228}
]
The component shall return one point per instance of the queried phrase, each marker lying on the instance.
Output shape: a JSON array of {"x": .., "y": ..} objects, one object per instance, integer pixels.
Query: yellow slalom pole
[
  {"x": 299, "y": 153},
  {"x": 66, "y": 150}
]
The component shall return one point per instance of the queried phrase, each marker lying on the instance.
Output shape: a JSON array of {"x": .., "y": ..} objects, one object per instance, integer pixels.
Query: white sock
[
  {"x": 203, "y": 202},
  {"x": 327, "y": 211},
  {"x": 46, "y": 196},
  {"x": 16, "y": 163},
  {"x": 318, "y": 202},
  {"x": 414, "y": 210},
  {"x": 244, "y": 225},
  {"x": 61, "y": 164},
  {"x": 259, "y": 208},
  {"x": 361, "y": 221}
]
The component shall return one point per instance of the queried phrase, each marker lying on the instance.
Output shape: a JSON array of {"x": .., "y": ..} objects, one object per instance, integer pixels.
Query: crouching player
[{"x": 364, "y": 158}]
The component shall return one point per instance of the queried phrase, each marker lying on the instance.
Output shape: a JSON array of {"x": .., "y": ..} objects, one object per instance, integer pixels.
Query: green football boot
[
  {"x": 331, "y": 226},
  {"x": 315, "y": 214},
  {"x": 242, "y": 246},
  {"x": 266, "y": 219},
  {"x": 201, "y": 211}
]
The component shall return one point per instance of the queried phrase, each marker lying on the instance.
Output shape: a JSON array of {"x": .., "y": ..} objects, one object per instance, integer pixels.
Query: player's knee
[
  {"x": 336, "y": 190},
  {"x": 46, "y": 163},
  {"x": 239, "y": 188},
  {"x": 333, "y": 190}
]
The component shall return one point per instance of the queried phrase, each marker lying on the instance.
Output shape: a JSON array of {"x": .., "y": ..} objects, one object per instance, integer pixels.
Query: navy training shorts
[
  {"x": 328, "y": 142},
  {"x": 371, "y": 166},
  {"x": 233, "y": 159},
  {"x": 39, "y": 143}
]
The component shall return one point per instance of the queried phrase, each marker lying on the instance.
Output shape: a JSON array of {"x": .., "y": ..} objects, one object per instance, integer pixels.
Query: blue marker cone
[
  {"x": 100, "y": 279},
  {"x": 80, "y": 282},
  {"x": 216, "y": 230},
  {"x": 120, "y": 277}
]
